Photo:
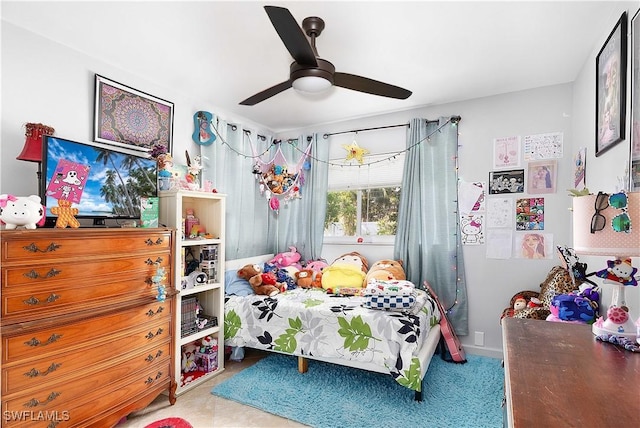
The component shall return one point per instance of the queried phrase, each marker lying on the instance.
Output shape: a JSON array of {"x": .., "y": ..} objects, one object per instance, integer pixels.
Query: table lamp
[
  {"x": 609, "y": 225},
  {"x": 32, "y": 150}
]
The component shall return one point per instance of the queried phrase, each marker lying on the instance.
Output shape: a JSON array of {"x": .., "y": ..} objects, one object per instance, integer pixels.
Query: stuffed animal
[
  {"x": 261, "y": 283},
  {"x": 386, "y": 270},
  {"x": 519, "y": 303},
  {"x": 619, "y": 272},
  {"x": 24, "y": 211},
  {"x": 288, "y": 258},
  {"x": 304, "y": 278},
  {"x": 66, "y": 215},
  {"x": 349, "y": 270}
]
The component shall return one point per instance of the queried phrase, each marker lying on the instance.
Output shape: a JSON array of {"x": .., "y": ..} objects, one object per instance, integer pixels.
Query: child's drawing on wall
[
  {"x": 472, "y": 229},
  {"x": 534, "y": 246}
]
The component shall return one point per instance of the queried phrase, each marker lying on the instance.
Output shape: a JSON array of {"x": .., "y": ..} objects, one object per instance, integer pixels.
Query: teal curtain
[
  {"x": 427, "y": 240},
  {"x": 300, "y": 222},
  {"x": 228, "y": 164}
]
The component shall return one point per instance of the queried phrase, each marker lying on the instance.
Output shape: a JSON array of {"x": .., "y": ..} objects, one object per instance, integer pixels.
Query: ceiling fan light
[{"x": 311, "y": 84}]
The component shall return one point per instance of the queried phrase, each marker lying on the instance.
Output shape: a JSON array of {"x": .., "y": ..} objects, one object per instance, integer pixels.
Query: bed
[{"x": 314, "y": 325}]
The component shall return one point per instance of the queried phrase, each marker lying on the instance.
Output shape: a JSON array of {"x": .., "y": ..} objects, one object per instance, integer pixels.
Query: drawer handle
[
  {"x": 35, "y": 372},
  {"x": 150, "y": 241},
  {"x": 34, "y": 402},
  {"x": 150, "y": 335},
  {"x": 35, "y": 249},
  {"x": 34, "y": 275},
  {"x": 150, "y": 357},
  {"x": 150, "y": 380},
  {"x": 151, "y": 262},
  {"x": 33, "y": 301},
  {"x": 35, "y": 342},
  {"x": 150, "y": 313}
]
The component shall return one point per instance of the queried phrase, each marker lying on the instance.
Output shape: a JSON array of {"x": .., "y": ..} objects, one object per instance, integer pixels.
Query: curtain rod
[{"x": 454, "y": 119}]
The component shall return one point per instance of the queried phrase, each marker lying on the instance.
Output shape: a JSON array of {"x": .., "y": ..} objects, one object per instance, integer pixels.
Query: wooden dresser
[
  {"x": 84, "y": 339},
  {"x": 559, "y": 375}
]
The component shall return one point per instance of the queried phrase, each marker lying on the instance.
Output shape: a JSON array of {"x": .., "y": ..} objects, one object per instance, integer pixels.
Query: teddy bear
[
  {"x": 261, "y": 283},
  {"x": 386, "y": 270}
]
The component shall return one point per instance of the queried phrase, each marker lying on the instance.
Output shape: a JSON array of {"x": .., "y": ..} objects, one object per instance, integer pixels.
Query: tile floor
[{"x": 205, "y": 410}]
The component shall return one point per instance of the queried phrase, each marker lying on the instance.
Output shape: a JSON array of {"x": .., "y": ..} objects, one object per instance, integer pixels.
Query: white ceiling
[{"x": 443, "y": 51}]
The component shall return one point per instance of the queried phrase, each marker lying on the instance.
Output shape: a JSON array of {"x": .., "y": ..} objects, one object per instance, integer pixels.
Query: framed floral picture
[
  {"x": 126, "y": 117},
  {"x": 611, "y": 78}
]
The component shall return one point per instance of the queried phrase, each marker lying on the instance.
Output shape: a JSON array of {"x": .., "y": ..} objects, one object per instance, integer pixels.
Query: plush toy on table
[
  {"x": 25, "y": 211},
  {"x": 261, "y": 283},
  {"x": 347, "y": 271},
  {"x": 386, "y": 270}
]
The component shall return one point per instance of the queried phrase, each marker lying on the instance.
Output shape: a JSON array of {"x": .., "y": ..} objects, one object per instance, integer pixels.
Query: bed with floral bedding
[{"x": 313, "y": 324}]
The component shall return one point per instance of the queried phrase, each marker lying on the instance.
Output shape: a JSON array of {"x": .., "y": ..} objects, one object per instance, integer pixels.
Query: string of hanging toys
[{"x": 277, "y": 178}]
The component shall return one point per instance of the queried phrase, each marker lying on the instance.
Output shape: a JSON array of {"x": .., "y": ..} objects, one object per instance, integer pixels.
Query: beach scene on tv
[{"x": 101, "y": 181}]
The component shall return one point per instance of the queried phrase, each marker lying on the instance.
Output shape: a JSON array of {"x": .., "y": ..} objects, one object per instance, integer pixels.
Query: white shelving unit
[{"x": 209, "y": 209}]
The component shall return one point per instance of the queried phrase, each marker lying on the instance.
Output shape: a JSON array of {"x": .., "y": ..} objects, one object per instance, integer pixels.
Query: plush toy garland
[{"x": 279, "y": 180}]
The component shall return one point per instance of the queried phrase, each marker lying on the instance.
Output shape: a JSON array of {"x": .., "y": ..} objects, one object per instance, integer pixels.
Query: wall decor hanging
[
  {"x": 542, "y": 177},
  {"x": 511, "y": 181},
  {"x": 611, "y": 78},
  {"x": 203, "y": 133},
  {"x": 126, "y": 117}
]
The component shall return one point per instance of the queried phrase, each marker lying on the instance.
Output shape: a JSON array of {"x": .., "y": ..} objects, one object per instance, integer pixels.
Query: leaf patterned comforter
[{"x": 309, "y": 322}]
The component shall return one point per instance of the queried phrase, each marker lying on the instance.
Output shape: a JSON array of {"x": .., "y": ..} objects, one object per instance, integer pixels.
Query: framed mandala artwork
[{"x": 126, "y": 117}]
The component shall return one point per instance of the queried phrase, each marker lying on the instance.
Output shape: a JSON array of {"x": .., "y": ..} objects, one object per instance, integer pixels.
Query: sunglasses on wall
[{"x": 619, "y": 223}]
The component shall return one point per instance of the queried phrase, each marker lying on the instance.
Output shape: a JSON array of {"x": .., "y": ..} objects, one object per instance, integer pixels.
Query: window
[{"x": 362, "y": 201}]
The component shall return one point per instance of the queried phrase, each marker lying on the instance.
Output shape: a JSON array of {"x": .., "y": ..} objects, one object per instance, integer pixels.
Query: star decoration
[{"x": 355, "y": 152}]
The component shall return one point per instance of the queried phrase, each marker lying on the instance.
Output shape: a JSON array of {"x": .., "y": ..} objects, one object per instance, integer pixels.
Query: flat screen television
[{"x": 110, "y": 188}]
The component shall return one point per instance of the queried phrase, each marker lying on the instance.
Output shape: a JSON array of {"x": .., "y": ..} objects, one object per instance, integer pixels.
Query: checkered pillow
[{"x": 389, "y": 302}]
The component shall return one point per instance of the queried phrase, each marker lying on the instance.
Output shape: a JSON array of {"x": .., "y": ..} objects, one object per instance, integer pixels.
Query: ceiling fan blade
[
  {"x": 370, "y": 86},
  {"x": 267, "y": 93},
  {"x": 292, "y": 36}
]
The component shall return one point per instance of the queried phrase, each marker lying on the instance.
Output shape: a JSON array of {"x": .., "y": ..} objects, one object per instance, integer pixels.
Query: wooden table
[{"x": 559, "y": 375}]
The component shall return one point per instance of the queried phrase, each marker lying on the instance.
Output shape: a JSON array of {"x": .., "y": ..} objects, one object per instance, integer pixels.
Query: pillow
[{"x": 234, "y": 285}]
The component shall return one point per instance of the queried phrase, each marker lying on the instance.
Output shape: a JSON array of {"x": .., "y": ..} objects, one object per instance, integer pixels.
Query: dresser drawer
[
  {"x": 50, "y": 245},
  {"x": 108, "y": 390},
  {"x": 73, "y": 364},
  {"x": 42, "y": 274},
  {"x": 59, "y": 297},
  {"x": 62, "y": 394},
  {"x": 44, "y": 342}
]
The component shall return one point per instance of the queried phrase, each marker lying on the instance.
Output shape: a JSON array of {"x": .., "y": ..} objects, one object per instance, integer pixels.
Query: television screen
[{"x": 101, "y": 181}]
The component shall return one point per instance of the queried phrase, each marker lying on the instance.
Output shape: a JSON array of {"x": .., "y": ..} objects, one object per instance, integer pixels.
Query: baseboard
[{"x": 483, "y": 351}]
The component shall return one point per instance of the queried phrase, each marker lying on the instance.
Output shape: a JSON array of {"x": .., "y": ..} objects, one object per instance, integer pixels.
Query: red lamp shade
[{"x": 32, "y": 150}]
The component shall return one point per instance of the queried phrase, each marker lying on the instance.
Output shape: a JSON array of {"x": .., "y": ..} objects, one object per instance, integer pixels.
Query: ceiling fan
[{"x": 309, "y": 72}]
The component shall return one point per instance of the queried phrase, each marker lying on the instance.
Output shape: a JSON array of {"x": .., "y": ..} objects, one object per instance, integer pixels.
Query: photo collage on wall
[{"x": 530, "y": 214}]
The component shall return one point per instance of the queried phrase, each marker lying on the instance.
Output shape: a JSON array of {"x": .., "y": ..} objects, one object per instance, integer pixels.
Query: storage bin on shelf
[{"x": 192, "y": 320}]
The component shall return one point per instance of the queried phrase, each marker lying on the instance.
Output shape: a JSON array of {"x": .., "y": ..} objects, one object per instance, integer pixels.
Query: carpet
[
  {"x": 329, "y": 395},
  {"x": 170, "y": 423}
]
